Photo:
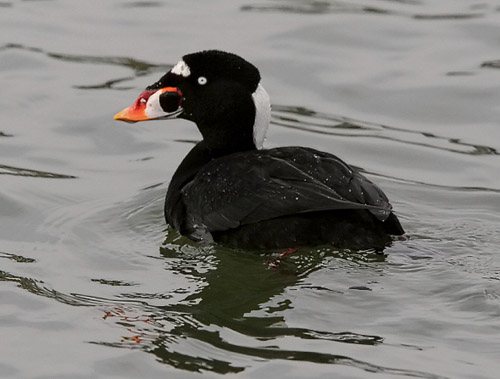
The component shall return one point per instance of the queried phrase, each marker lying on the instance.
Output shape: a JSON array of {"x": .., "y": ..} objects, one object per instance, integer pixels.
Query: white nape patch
[
  {"x": 153, "y": 107},
  {"x": 262, "y": 115},
  {"x": 181, "y": 68}
]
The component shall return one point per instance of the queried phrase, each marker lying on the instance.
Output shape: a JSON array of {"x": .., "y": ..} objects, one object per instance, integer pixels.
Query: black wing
[{"x": 249, "y": 187}]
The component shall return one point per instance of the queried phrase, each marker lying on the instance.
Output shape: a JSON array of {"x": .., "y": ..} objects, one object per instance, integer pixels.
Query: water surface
[{"x": 93, "y": 284}]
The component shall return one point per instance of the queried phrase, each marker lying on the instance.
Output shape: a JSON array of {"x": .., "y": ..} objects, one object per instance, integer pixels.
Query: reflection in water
[
  {"x": 332, "y": 6},
  {"x": 460, "y": 73},
  {"x": 142, "y": 4},
  {"x": 448, "y": 16},
  {"x": 321, "y": 123},
  {"x": 139, "y": 67},
  {"x": 17, "y": 171},
  {"x": 107, "y": 84},
  {"x": 114, "y": 283},
  {"x": 229, "y": 307},
  {"x": 429, "y": 185},
  {"x": 217, "y": 313},
  {"x": 314, "y": 7},
  {"x": 491, "y": 64},
  {"x": 16, "y": 258},
  {"x": 36, "y": 287}
]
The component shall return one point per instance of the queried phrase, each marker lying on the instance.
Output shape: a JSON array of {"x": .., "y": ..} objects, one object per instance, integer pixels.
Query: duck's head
[{"x": 219, "y": 91}]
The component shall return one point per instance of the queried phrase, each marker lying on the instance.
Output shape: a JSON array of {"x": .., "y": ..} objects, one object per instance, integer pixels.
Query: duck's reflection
[{"x": 237, "y": 313}]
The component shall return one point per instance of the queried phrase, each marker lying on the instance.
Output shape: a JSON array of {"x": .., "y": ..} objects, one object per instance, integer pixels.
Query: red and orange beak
[{"x": 151, "y": 105}]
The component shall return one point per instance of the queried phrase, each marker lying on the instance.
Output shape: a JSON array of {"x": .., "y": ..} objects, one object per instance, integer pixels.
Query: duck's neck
[
  {"x": 202, "y": 153},
  {"x": 225, "y": 142},
  {"x": 231, "y": 131}
]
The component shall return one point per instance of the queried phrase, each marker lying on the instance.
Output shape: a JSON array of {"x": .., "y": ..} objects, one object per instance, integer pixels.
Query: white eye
[{"x": 202, "y": 80}]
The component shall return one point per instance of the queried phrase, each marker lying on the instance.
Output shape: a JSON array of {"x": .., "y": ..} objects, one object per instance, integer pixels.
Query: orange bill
[{"x": 147, "y": 106}]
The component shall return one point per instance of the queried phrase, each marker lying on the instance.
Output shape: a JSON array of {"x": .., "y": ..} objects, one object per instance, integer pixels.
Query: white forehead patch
[{"x": 181, "y": 68}]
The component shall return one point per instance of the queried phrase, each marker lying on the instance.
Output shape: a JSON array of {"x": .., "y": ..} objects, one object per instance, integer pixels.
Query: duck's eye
[{"x": 202, "y": 80}]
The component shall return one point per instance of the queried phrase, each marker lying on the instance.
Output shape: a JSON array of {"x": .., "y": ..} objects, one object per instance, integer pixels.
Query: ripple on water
[
  {"x": 9, "y": 170},
  {"x": 323, "y": 123}
]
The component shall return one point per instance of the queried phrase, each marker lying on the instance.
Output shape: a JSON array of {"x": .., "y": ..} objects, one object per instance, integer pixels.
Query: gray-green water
[{"x": 93, "y": 285}]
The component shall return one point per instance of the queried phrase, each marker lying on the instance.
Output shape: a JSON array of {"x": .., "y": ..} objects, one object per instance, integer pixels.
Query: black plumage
[
  {"x": 227, "y": 190},
  {"x": 282, "y": 197}
]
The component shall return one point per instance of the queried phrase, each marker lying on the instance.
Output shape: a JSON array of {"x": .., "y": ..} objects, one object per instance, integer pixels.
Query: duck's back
[{"x": 285, "y": 197}]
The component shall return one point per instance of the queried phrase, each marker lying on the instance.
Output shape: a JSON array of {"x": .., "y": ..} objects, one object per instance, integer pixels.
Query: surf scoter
[{"x": 230, "y": 190}]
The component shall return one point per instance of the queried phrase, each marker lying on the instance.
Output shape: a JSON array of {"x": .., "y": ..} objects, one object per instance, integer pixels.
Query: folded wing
[{"x": 274, "y": 183}]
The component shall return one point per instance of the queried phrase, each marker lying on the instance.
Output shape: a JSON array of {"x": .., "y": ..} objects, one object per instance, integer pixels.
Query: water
[{"x": 93, "y": 285}]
